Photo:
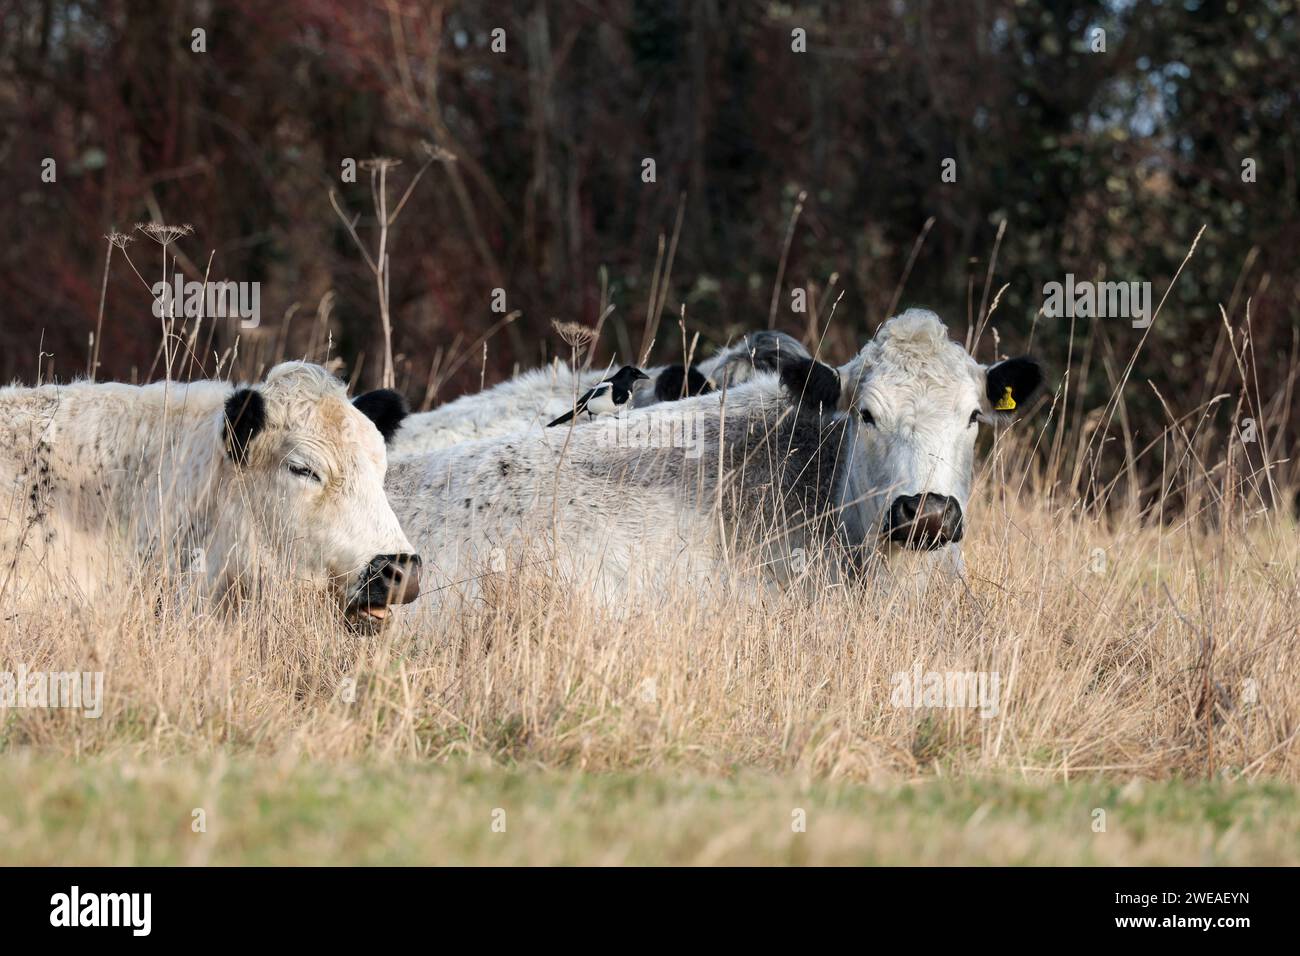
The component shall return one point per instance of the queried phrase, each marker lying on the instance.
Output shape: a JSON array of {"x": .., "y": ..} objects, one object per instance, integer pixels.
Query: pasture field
[
  {"x": 1138, "y": 668},
  {"x": 268, "y": 811}
]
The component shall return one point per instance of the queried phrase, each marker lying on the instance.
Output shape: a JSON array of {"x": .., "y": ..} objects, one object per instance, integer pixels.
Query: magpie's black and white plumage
[{"x": 607, "y": 397}]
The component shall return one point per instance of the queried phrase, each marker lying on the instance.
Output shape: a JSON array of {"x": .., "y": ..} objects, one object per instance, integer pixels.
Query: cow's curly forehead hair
[
  {"x": 298, "y": 392},
  {"x": 302, "y": 381},
  {"x": 914, "y": 347},
  {"x": 301, "y": 395}
]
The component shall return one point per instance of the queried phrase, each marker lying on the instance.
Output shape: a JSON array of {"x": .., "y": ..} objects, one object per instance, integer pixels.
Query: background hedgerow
[{"x": 1100, "y": 164}]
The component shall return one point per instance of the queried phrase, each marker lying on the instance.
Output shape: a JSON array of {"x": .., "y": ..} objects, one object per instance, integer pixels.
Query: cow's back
[{"x": 619, "y": 517}]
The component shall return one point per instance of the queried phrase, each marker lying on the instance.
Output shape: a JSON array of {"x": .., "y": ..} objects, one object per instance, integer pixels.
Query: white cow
[
  {"x": 869, "y": 459},
  {"x": 535, "y": 397},
  {"x": 233, "y": 488}
]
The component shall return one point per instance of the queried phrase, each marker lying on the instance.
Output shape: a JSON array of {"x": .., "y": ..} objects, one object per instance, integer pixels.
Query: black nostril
[
  {"x": 924, "y": 521},
  {"x": 952, "y": 521},
  {"x": 903, "y": 511},
  {"x": 396, "y": 577}
]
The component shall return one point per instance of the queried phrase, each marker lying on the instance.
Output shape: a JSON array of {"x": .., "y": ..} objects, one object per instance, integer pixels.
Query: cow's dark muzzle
[
  {"x": 924, "y": 522},
  {"x": 388, "y": 579}
]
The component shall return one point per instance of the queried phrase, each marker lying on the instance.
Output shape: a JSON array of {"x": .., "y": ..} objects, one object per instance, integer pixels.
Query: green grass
[{"x": 259, "y": 811}]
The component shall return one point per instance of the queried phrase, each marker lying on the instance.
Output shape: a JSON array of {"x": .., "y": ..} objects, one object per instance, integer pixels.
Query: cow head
[
  {"x": 306, "y": 501},
  {"x": 912, "y": 402},
  {"x": 763, "y": 351}
]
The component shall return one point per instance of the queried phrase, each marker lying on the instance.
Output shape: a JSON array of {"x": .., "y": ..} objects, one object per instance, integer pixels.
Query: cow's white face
[
  {"x": 309, "y": 501},
  {"x": 915, "y": 400}
]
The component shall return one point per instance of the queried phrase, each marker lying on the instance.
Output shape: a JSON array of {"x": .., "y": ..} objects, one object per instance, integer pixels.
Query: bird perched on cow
[{"x": 606, "y": 397}]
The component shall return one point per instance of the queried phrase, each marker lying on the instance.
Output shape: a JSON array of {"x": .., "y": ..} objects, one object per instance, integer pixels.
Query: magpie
[{"x": 606, "y": 397}]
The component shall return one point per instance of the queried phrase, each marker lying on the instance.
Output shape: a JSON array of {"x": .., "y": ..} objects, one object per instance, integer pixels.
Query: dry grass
[
  {"x": 686, "y": 733},
  {"x": 1102, "y": 669}
]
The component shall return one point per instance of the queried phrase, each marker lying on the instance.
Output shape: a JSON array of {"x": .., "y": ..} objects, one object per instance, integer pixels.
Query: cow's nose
[
  {"x": 398, "y": 576},
  {"x": 924, "y": 521}
]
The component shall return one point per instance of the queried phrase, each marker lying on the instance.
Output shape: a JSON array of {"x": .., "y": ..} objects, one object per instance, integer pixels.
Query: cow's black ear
[
  {"x": 245, "y": 417},
  {"x": 669, "y": 383},
  {"x": 814, "y": 385},
  {"x": 385, "y": 408},
  {"x": 1011, "y": 383},
  {"x": 696, "y": 383},
  {"x": 676, "y": 381}
]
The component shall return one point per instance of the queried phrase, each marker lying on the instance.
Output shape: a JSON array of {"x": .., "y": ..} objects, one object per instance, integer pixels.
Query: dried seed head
[
  {"x": 162, "y": 233},
  {"x": 119, "y": 239},
  {"x": 575, "y": 334}
]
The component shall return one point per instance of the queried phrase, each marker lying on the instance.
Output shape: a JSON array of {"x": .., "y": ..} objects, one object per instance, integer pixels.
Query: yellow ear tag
[{"x": 1006, "y": 403}]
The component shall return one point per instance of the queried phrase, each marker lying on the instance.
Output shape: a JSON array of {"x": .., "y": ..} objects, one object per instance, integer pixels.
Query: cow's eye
[
  {"x": 974, "y": 416},
  {"x": 302, "y": 471},
  {"x": 867, "y": 417}
]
